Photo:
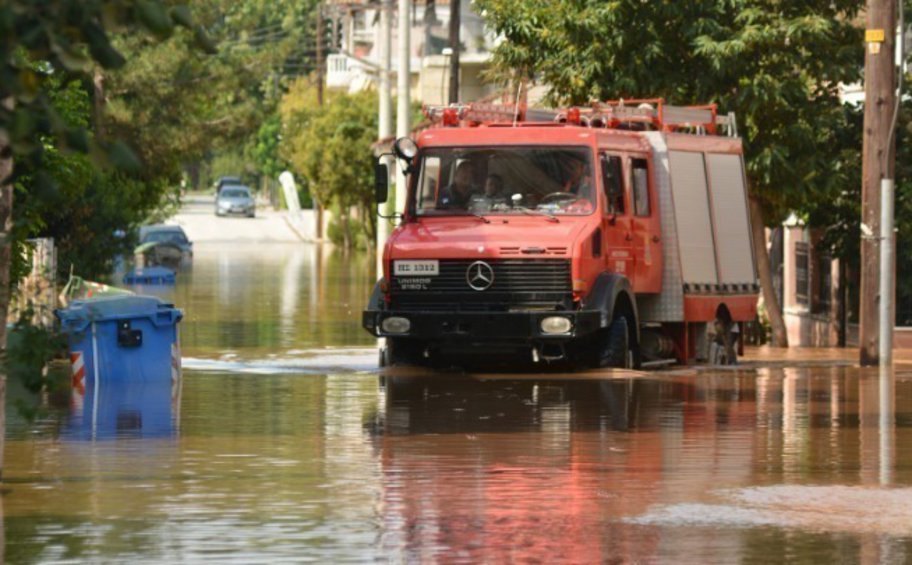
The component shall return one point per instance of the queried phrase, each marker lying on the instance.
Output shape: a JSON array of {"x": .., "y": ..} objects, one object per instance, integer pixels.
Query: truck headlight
[
  {"x": 396, "y": 325},
  {"x": 556, "y": 325}
]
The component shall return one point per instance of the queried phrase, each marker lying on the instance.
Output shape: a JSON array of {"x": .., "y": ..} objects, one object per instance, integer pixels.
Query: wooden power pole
[
  {"x": 320, "y": 69},
  {"x": 877, "y": 161},
  {"x": 455, "y": 22}
]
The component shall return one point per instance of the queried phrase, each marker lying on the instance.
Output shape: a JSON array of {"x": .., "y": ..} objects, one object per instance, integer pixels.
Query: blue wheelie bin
[
  {"x": 145, "y": 409},
  {"x": 150, "y": 276},
  {"x": 125, "y": 340}
]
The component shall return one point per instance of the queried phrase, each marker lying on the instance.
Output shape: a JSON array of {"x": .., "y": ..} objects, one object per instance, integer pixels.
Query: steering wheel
[{"x": 555, "y": 197}]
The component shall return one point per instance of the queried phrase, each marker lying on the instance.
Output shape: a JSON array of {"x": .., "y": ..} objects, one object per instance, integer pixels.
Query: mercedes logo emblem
[{"x": 480, "y": 275}]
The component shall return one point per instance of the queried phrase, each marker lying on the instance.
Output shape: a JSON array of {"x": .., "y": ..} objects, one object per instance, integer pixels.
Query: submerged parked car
[
  {"x": 235, "y": 200},
  {"x": 163, "y": 244}
]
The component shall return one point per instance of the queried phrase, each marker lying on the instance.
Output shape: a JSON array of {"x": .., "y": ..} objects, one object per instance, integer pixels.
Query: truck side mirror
[{"x": 381, "y": 183}]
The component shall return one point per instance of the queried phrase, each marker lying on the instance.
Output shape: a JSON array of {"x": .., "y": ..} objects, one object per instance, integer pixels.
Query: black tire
[
  {"x": 617, "y": 349},
  {"x": 403, "y": 351}
]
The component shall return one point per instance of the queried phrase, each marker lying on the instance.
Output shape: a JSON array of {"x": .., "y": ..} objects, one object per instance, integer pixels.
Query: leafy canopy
[
  {"x": 776, "y": 64},
  {"x": 68, "y": 38},
  {"x": 330, "y": 146}
]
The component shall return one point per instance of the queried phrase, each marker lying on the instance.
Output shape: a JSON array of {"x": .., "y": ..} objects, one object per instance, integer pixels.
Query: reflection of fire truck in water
[
  {"x": 520, "y": 472},
  {"x": 613, "y": 235}
]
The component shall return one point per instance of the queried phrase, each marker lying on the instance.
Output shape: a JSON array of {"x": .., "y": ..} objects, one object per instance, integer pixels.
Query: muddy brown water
[{"x": 281, "y": 445}]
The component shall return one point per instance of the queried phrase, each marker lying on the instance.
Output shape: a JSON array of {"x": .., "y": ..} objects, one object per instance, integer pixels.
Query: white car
[{"x": 235, "y": 199}]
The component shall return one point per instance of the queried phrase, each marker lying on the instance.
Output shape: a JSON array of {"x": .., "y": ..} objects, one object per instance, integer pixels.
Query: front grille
[
  {"x": 542, "y": 284},
  {"x": 510, "y": 275}
]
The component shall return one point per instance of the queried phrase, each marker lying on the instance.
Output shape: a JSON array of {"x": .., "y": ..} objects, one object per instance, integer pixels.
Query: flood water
[{"x": 281, "y": 445}]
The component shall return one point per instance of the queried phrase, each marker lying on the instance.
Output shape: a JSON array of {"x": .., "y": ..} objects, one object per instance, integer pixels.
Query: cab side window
[
  {"x": 428, "y": 183},
  {"x": 640, "y": 172},
  {"x": 613, "y": 181}
]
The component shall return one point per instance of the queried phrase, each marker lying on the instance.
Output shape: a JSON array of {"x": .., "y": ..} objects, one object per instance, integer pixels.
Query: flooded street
[{"x": 284, "y": 444}]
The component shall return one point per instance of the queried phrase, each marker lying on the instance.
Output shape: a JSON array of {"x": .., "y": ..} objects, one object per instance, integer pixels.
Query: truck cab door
[
  {"x": 616, "y": 221},
  {"x": 647, "y": 231}
]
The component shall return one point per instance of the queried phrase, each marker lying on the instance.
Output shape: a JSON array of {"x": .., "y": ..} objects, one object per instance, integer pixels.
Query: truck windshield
[{"x": 505, "y": 180}]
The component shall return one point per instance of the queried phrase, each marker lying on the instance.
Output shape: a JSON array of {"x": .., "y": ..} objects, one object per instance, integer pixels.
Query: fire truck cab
[{"x": 612, "y": 235}]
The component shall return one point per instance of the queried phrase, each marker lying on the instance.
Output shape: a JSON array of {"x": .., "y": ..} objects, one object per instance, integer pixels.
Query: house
[
  {"x": 816, "y": 304},
  {"x": 354, "y": 62}
]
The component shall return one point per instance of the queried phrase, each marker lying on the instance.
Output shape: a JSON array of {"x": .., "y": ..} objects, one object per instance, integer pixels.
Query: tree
[
  {"x": 263, "y": 46},
  {"x": 64, "y": 196},
  {"x": 777, "y": 65},
  {"x": 266, "y": 148},
  {"x": 330, "y": 146}
]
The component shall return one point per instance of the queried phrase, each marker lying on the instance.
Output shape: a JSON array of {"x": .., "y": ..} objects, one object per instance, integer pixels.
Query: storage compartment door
[
  {"x": 732, "y": 228},
  {"x": 693, "y": 219}
]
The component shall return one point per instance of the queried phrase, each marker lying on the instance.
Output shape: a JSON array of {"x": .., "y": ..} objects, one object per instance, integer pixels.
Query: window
[
  {"x": 427, "y": 191},
  {"x": 235, "y": 193},
  {"x": 824, "y": 283},
  {"x": 802, "y": 280},
  {"x": 163, "y": 236},
  {"x": 614, "y": 186},
  {"x": 640, "y": 173},
  {"x": 536, "y": 180}
]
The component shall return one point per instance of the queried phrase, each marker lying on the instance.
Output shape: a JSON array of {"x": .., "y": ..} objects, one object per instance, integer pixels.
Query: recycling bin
[
  {"x": 150, "y": 275},
  {"x": 121, "y": 409},
  {"x": 129, "y": 339}
]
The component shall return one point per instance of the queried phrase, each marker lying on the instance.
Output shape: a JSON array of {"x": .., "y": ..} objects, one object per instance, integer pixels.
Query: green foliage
[
  {"x": 62, "y": 195},
  {"x": 343, "y": 228},
  {"x": 28, "y": 349},
  {"x": 65, "y": 38},
  {"x": 229, "y": 162},
  {"x": 776, "y": 65},
  {"x": 263, "y": 46},
  {"x": 266, "y": 150},
  {"x": 330, "y": 146}
]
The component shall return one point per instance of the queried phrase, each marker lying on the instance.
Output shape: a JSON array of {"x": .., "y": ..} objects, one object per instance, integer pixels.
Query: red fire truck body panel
[{"x": 665, "y": 217}]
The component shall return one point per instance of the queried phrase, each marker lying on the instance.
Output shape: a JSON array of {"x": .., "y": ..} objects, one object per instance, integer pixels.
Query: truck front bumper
[{"x": 483, "y": 326}]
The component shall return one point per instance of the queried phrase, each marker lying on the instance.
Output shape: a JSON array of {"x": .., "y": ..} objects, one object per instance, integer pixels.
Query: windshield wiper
[
  {"x": 480, "y": 217},
  {"x": 530, "y": 212}
]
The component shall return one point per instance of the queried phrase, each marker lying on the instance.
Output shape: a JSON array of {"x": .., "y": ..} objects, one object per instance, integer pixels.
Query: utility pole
[
  {"x": 320, "y": 81},
  {"x": 320, "y": 39},
  {"x": 385, "y": 129},
  {"x": 454, "y": 46},
  {"x": 403, "y": 108},
  {"x": 877, "y": 167}
]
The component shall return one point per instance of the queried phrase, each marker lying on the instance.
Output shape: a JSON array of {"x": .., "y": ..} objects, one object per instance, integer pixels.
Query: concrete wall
[
  {"x": 434, "y": 80},
  {"x": 808, "y": 325}
]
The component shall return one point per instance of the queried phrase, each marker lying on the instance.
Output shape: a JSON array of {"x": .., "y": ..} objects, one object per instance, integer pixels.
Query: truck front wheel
[
  {"x": 402, "y": 351},
  {"x": 615, "y": 348}
]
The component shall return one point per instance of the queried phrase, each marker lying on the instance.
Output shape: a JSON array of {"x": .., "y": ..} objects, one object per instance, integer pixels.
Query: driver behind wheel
[{"x": 577, "y": 175}]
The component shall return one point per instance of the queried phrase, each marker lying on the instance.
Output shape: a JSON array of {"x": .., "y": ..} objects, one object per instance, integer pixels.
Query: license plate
[{"x": 429, "y": 268}]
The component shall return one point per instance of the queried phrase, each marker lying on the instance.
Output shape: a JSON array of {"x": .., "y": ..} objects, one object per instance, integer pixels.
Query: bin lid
[{"x": 81, "y": 313}]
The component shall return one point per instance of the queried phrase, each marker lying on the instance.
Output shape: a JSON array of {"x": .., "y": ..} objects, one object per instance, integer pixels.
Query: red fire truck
[{"x": 612, "y": 235}]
